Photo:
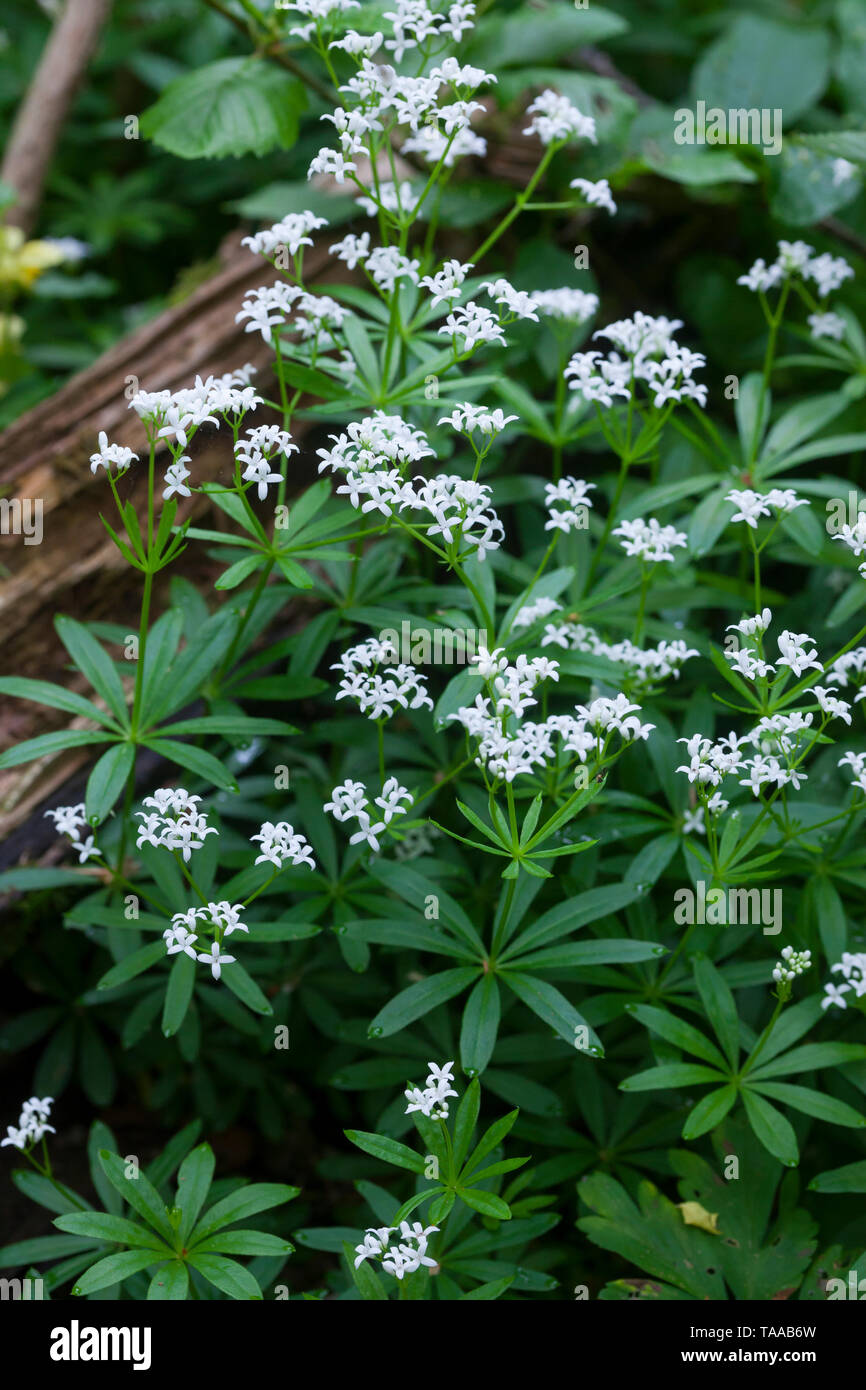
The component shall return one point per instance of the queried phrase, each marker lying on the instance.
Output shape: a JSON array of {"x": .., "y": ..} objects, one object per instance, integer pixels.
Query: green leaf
[
  {"x": 850, "y": 1178},
  {"x": 107, "y": 780},
  {"x": 170, "y": 1282},
  {"x": 95, "y": 663},
  {"x": 193, "y": 1184},
  {"x": 672, "y": 1074},
  {"x": 113, "y": 1270},
  {"x": 553, "y": 1008},
  {"x": 52, "y": 1195},
  {"x": 681, "y": 1034},
  {"x": 709, "y": 1112},
  {"x": 545, "y": 32},
  {"x": 494, "y": 1289},
  {"x": 367, "y": 1281},
  {"x": 132, "y": 965},
  {"x": 809, "y": 1058},
  {"x": 465, "y": 1121},
  {"x": 721, "y": 1011},
  {"x": 47, "y": 744},
  {"x": 235, "y": 106},
  {"x": 480, "y": 1025},
  {"x": 771, "y": 1127},
  {"x": 193, "y": 759},
  {"x": 178, "y": 995},
  {"x": 490, "y": 1139},
  {"x": 102, "y": 1226},
  {"x": 245, "y": 1243},
  {"x": 139, "y": 1192},
  {"x": 485, "y": 1202},
  {"x": 419, "y": 999},
  {"x": 256, "y": 1197},
  {"x": 244, "y": 987},
  {"x": 227, "y": 1275},
  {"x": 763, "y": 64},
  {"x": 388, "y": 1150},
  {"x": 54, "y": 696},
  {"x": 820, "y": 1107}
]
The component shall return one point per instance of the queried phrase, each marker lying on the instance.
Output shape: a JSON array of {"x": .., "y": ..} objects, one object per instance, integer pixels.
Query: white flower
[
  {"x": 827, "y": 326},
  {"x": 648, "y": 540},
  {"x": 352, "y": 249},
  {"x": 792, "y": 646},
  {"x": 116, "y": 455},
  {"x": 175, "y": 477},
  {"x": 572, "y": 306},
  {"x": 32, "y": 1124},
  {"x": 292, "y": 232},
  {"x": 474, "y": 324},
  {"x": 281, "y": 845},
  {"x": 175, "y": 823},
  {"x": 833, "y": 995},
  {"x": 215, "y": 959},
  {"x": 792, "y": 964},
  {"x": 178, "y": 938},
  {"x": 751, "y": 505},
  {"x": 468, "y": 418},
  {"x": 573, "y": 493},
  {"x": 432, "y": 1101},
  {"x": 554, "y": 119},
  {"x": 597, "y": 194},
  {"x": 833, "y": 708},
  {"x": 445, "y": 285}
]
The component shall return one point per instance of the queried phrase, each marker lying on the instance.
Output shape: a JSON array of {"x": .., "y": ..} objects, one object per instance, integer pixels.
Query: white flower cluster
[
  {"x": 568, "y": 305},
  {"x": 851, "y": 666},
  {"x": 399, "y": 1259},
  {"x": 292, "y": 232},
  {"x": 852, "y": 968},
  {"x": 373, "y": 455},
  {"x": 68, "y": 820},
  {"x": 432, "y": 1100},
  {"x": 794, "y": 652},
  {"x": 555, "y": 119},
  {"x": 854, "y": 536},
  {"x": 174, "y": 822},
  {"x": 176, "y": 415},
  {"x": 468, "y": 419},
  {"x": 379, "y": 100},
  {"x": 256, "y": 451},
  {"x": 596, "y": 194},
  {"x": 572, "y": 493},
  {"x": 509, "y": 745},
  {"x": 377, "y": 695},
  {"x": 223, "y": 919},
  {"x": 111, "y": 456},
  {"x": 792, "y": 964},
  {"x": 649, "y": 541},
  {"x": 271, "y": 306},
  {"x": 651, "y": 355},
  {"x": 826, "y": 326},
  {"x": 646, "y": 666},
  {"x": 32, "y": 1124},
  {"x": 777, "y": 742},
  {"x": 796, "y": 258},
  {"x": 349, "y": 802},
  {"x": 750, "y": 505},
  {"x": 280, "y": 845}
]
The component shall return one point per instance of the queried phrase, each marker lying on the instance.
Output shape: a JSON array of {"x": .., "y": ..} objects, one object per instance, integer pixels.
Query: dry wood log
[{"x": 44, "y": 457}]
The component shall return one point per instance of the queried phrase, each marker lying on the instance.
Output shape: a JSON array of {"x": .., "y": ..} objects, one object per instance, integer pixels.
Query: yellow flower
[{"x": 22, "y": 262}]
